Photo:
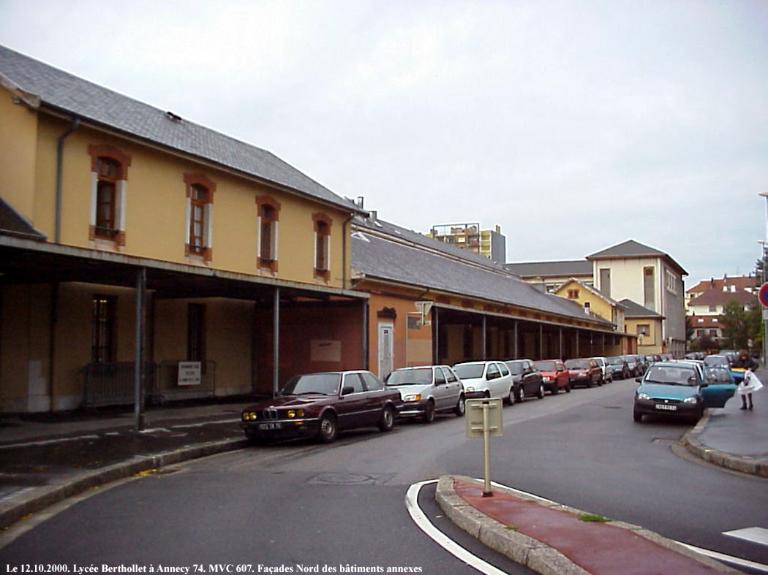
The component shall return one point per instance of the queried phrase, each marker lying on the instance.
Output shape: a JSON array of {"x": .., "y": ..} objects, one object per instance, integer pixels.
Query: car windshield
[
  {"x": 615, "y": 361},
  {"x": 718, "y": 374},
  {"x": 714, "y": 360},
  {"x": 516, "y": 367},
  {"x": 470, "y": 370},
  {"x": 577, "y": 364},
  {"x": 545, "y": 365},
  {"x": 322, "y": 383},
  {"x": 411, "y": 375},
  {"x": 671, "y": 375}
]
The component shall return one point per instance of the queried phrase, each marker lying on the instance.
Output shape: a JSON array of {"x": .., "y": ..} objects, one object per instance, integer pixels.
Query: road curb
[
  {"x": 743, "y": 464},
  {"x": 22, "y": 504},
  {"x": 532, "y": 553}
]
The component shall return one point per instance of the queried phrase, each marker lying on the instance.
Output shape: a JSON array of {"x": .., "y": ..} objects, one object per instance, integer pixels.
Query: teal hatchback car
[{"x": 680, "y": 389}]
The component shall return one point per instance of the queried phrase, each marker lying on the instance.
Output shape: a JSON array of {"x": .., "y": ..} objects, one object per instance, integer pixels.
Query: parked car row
[{"x": 320, "y": 405}]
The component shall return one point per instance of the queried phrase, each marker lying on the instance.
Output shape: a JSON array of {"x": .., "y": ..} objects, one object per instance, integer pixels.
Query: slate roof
[
  {"x": 567, "y": 268},
  {"x": 377, "y": 225},
  {"x": 632, "y": 309},
  {"x": 388, "y": 258},
  {"x": 633, "y": 249},
  {"x": 13, "y": 224},
  {"x": 61, "y": 91}
]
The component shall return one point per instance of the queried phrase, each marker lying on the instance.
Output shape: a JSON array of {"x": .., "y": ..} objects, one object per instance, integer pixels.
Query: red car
[
  {"x": 554, "y": 375},
  {"x": 320, "y": 405},
  {"x": 584, "y": 372}
]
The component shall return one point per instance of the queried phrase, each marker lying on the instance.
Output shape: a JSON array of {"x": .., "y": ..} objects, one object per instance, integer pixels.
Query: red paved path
[{"x": 598, "y": 548}]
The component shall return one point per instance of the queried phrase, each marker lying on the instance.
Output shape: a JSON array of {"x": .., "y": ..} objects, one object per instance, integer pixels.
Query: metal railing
[{"x": 110, "y": 384}]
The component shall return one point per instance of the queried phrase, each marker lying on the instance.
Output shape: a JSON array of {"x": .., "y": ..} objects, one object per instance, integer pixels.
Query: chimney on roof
[
  {"x": 173, "y": 117},
  {"x": 360, "y": 202},
  {"x": 711, "y": 282},
  {"x": 586, "y": 307}
]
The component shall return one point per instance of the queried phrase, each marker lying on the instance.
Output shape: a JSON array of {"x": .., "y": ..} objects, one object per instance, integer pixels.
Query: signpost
[
  {"x": 762, "y": 295},
  {"x": 483, "y": 419}
]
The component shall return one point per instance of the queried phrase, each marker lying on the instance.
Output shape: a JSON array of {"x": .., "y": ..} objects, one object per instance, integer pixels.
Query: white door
[{"x": 386, "y": 347}]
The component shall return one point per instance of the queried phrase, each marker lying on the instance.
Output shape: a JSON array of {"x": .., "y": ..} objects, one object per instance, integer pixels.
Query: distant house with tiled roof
[
  {"x": 650, "y": 277},
  {"x": 645, "y": 324},
  {"x": 709, "y": 297}
]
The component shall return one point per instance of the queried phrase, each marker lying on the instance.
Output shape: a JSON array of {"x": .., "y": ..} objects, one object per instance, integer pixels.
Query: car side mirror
[
  {"x": 639, "y": 379},
  {"x": 347, "y": 389},
  {"x": 704, "y": 384}
]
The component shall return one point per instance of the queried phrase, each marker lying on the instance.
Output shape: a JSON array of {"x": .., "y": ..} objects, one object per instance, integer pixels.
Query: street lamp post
[{"x": 765, "y": 321}]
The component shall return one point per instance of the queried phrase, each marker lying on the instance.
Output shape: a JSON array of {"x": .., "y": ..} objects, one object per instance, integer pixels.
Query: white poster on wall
[
  {"x": 190, "y": 373},
  {"x": 325, "y": 350}
]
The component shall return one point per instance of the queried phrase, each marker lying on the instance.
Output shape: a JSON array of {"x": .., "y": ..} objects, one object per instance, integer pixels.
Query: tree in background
[{"x": 741, "y": 327}]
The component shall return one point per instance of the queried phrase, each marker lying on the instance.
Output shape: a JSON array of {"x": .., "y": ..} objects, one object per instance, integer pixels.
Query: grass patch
[
  {"x": 592, "y": 518},
  {"x": 510, "y": 527}
]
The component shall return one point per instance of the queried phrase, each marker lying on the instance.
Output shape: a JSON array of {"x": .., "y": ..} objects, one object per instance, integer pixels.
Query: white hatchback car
[{"x": 486, "y": 379}]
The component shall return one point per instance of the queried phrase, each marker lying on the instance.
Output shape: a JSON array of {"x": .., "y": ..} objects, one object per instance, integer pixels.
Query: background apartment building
[{"x": 491, "y": 244}]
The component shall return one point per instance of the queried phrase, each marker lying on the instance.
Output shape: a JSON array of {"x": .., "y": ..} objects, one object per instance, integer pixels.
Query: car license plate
[
  {"x": 269, "y": 426},
  {"x": 665, "y": 407}
]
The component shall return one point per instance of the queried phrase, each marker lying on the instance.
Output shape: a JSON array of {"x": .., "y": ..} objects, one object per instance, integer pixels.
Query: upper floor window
[
  {"x": 671, "y": 281},
  {"x": 573, "y": 294},
  {"x": 199, "y": 240},
  {"x": 268, "y": 217},
  {"x": 322, "y": 246},
  {"x": 109, "y": 175}
]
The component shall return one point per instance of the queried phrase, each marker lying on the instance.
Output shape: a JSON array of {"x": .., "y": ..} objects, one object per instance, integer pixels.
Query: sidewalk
[
  {"x": 47, "y": 458},
  {"x": 553, "y": 539}
]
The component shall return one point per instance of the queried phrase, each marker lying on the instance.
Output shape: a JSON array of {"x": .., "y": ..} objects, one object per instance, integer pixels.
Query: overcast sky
[{"x": 572, "y": 125}]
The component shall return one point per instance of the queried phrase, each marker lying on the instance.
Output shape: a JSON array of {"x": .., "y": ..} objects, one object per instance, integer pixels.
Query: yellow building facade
[{"x": 99, "y": 191}]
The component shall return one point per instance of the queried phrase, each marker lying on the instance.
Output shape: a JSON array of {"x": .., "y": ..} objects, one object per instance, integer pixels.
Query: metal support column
[
  {"x": 577, "y": 342},
  {"x": 436, "y": 336},
  {"x": 276, "y": 342},
  {"x": 138, "y": 367},
  {"x": 560, "y": 337},
  {"x": 485, "y": 337},
  {"x": 541, "y": 341},
  {"x": 365, "y": 334},
  {"x": 515, "y": 355}
]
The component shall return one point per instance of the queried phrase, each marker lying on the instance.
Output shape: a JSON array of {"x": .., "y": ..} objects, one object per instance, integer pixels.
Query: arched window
[
  {"x": 199, "y": 241},
  {"x": 322, "y": 246},
  {"x": 109, "y": 175},
  {"x": 267, "y": 225}
]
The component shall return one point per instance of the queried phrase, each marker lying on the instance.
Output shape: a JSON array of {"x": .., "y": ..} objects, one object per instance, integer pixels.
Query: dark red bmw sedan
[{"x": 322, "y": 404}]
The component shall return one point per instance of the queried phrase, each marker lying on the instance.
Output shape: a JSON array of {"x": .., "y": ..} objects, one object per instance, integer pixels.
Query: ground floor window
[{"x": 103, "y": 329}]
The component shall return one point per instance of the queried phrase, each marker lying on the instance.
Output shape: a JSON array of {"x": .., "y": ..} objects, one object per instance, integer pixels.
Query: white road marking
[
  {"x": 418, "y": 516},
  {"x": 752, "y": 534},
  {"x": 188, "y": 425},
  {"x": 728, "y": 559},
  {"x": 411, "y": 500},
  {"x": 48, "y": 441}
]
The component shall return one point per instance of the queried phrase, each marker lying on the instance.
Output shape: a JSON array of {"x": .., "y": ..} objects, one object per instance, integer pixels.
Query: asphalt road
[{"x": 266, "y": 509}]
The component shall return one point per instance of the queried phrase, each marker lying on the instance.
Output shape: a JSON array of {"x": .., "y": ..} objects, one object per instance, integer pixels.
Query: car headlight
[
  {"x": 250, "y": 416},
  {"x": 412, "y": 397},
  {"x": 690, "y": 400},
  {"x": 545, "y": 379},
  {"x": 643, "y": 396},
  {"x": 470, "y": 388},
  {"x": 295, "y": 413}
]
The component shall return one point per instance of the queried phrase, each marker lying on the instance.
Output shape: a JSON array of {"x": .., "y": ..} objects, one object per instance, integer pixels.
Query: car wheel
[
  {"x": 591, "y": 383},
  {"x": 568, "y": 388},
  {"x": 510, "y": 398},
  {"x": 540, "y": 394},
  {"x": 638, "y": 417},
  {"x": 520, "y": 395},
  {"x": 387, "y": 421},
  {"x": 429, "y": 412},
  {"x": 328, "y": 428},
  {"x": 461, "y": 407},
  {"x": 487, "y": 394},
  {"x": 555, "y": 390}
]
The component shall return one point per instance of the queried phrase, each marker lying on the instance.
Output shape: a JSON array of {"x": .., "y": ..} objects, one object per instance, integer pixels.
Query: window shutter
[
  {"x": 274, "y": 240},
  {"x": 122, "y": 188},
  {"x": 327, "y": 245},
  {"x": 94, "y": 195},
  {"x": 208, "y": 225},
  {"x": 188, "y": 220}
]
